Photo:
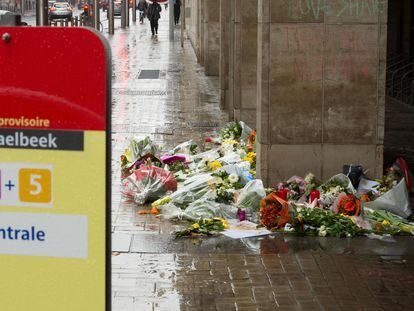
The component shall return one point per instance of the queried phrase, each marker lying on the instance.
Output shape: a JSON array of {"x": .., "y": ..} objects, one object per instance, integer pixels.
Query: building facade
[{"x": 309, "y": 75}]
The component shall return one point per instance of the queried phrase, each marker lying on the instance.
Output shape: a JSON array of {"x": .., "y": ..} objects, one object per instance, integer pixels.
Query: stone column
[
  {"x": 321, "y": 87},
  {"x": 245, "y": 61},
  {"x": 211, "y": 35},
  {"x": 225, "y": 20},
  {"x": 193, "y": 24}
]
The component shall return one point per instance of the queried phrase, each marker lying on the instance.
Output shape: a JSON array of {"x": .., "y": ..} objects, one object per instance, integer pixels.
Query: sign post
[{"x": 54, "y": 169}]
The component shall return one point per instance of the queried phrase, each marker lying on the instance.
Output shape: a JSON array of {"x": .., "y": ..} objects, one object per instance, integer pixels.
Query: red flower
[
  {"x": 349, "y": 205},
  {"x": 208, "y": 140}
]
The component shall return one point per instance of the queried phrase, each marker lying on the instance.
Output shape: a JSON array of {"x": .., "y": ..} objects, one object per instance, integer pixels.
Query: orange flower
[
  {"x": 365, "y": 198},
  {"x": 252, "y": 137}
]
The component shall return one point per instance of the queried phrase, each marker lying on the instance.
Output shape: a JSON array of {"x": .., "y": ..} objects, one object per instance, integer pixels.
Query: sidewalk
[{"x": 152, "y": 271}]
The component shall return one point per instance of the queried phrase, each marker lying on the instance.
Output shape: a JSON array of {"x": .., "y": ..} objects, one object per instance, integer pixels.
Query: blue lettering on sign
[{"x": 32, "y": 234}]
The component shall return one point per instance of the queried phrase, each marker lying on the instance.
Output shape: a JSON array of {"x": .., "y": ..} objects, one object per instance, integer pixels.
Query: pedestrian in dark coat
[
  {"x": 154, "y": 10},
  {"x": 177, "y": 11},
  {"x": 142, "y": 8}
]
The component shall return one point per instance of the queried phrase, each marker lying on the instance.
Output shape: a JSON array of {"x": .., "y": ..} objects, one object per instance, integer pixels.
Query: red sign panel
[{"x": 42, "y": 86}]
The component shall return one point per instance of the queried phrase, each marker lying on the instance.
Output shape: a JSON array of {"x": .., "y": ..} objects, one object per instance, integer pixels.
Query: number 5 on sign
[{"x": 35, "y": 185}]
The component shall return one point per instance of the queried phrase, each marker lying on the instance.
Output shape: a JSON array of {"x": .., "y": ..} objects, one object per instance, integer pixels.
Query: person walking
[
  {"x": 142, "y": 9},
  {"x": 154, "y": 10},
  {"x": 177, "y": 11}
]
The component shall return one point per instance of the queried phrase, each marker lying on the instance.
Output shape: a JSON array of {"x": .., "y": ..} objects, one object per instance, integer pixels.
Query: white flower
[
  {"x": 233, "y": 178},
  {"x": 322, "y": 233},
  {"x": 218, "y": 180},
  {"x": 348, "y": 235},
  {"x": 322, "y": 228}
]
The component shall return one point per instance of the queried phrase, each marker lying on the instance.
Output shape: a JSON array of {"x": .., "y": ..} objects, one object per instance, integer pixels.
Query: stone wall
[{"x": 321, "y": 86}]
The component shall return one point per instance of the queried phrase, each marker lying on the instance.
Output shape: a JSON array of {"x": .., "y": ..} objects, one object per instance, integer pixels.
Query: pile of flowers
[{"x": 218, "y": 179}]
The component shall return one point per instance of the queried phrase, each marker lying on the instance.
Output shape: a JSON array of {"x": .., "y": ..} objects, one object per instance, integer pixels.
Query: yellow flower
[
  {"x": 215, "y": 165},
  {"x": 386, "y": 223},
  {"x": 248, "y": 159},
  {"x": 251, "y": 155},
  {"x": 128, "y": 155},
  {"x": 195, "y": 226},
  {"x": 223, "y": 221}
]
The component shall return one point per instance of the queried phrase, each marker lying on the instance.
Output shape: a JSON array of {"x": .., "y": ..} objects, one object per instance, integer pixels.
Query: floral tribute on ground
[{"x": 210, "y": 184}]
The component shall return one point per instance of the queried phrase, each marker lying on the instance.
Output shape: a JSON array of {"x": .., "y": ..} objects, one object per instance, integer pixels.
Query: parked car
[
  {"x": 50, "y": 4},
  {"x": 61, "y": 10}
]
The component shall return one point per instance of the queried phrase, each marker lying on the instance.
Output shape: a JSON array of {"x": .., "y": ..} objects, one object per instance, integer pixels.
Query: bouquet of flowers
[
  {"x": 318, "y": 222},
  {"x": 296, "y": 187},
  {"x": 251, "y": 195},
  {"x": 232, "y": 130},
  {"x": 333, "y": 188},
  {"x": 274, "y": 212},
  {"x": 138, "y": 148},
  {"x": 225, "y": 185},
  {"x": 212, "y": 226},
  {"x": 148, "y": 183}
]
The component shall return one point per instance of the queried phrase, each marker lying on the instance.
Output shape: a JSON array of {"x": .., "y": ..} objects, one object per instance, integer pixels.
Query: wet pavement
[{"x": 153, "y": 271}]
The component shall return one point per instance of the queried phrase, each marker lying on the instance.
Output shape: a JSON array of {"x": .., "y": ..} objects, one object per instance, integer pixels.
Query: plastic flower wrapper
[
  {"x": 230, "y": 158},
  {"x": 192, "y": 189},
  {"x": 207, "y": 156},
  {"x": 242, "y": 169},
  {"x": 333, "y": 188},
  {"x": 188, "y": 148},
  {"x": 395, "y": 201},
  {"x": 204, "y": 207},
  {"x": 246, "y": 132},
  {"x": 148, "y": 183},
  {"x": 386, "y": 222},
  {"x": 274, "y": 212},
  {"x": 171, "y": 159},
  {"x": 229, "y": 146},
  {"x": 250, "y": 196},
  {"x": 138, "y": 148}
]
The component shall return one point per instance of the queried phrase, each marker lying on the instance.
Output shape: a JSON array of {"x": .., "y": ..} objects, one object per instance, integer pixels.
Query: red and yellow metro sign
[{"x": 54, "y": 169}]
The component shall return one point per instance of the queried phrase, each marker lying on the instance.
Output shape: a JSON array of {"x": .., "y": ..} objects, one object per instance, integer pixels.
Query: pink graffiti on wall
[
  {"x": 338, "y": 54},
  {"x": 347, "y": 55}
]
